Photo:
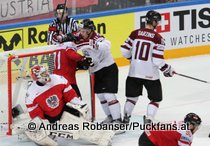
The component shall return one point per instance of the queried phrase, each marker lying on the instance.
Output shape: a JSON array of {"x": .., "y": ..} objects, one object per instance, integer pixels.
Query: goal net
[{"x": 15, "y": 78}]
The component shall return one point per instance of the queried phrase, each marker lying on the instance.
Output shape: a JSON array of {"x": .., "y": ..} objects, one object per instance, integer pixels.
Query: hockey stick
[{"x": 192, "y": 78}]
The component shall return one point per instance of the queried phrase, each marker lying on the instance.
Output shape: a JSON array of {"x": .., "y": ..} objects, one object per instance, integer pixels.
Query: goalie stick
[{"x": 189, "y": 77}]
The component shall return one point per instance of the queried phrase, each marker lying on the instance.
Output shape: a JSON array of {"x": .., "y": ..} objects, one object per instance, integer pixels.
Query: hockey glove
[
  {"x": 70, "y": 37},
  {"x": 167, "y": 70},
  {"x": 81, "y": 108},
  {"x": 85, "y": 63}
]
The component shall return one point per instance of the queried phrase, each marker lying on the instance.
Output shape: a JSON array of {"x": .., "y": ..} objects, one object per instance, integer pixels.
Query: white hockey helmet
[{"x": 40, "y": 73}]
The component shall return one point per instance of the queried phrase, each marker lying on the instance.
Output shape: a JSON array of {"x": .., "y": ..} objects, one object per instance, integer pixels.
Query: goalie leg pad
[
  {"x": 40, "y": 136},
  {"x": 67, "y": 118},
  {"x": 20, "y": 123},
  {"x": 100, "y": 137}
]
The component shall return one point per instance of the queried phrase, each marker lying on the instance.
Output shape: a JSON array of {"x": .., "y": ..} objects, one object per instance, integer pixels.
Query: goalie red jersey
[
  {"x": 50, "y": 98},
  {"x": 66, "y": 59}
]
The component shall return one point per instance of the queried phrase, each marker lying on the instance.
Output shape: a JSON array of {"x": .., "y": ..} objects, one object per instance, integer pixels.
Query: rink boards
[{"x": 184, "y": 27}]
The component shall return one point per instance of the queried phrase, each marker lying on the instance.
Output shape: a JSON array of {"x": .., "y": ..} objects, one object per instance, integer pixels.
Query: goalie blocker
[{"x": 42, "y": 136}]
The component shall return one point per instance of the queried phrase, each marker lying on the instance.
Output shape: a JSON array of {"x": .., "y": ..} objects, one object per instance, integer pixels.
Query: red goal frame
[{"x": 9, "y": 66}]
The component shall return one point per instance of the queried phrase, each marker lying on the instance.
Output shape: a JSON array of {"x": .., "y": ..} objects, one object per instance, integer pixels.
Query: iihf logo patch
[{"x": 52, "y": 101}]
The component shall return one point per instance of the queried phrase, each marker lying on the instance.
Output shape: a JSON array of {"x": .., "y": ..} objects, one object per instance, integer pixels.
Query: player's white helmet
[{"x": 40, "y": 73}]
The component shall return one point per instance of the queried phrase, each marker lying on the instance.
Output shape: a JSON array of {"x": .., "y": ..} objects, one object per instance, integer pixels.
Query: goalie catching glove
[{"x": 167, "y": 70}]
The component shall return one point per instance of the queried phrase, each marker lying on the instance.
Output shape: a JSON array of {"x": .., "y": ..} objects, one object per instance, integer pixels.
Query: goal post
[{"x": 15, "y": 76}]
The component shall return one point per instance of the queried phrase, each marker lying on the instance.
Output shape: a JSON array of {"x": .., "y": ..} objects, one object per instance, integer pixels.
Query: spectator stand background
[{"x": 13, "y": 11}]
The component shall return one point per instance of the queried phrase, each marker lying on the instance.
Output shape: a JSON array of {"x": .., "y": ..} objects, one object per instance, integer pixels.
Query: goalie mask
[
  {"x": 153, "y": 17},
  {"x": 39, "y": 73}
]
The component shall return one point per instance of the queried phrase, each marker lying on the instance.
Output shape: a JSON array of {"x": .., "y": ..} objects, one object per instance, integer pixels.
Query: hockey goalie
[{"x": 50, "y": 99}]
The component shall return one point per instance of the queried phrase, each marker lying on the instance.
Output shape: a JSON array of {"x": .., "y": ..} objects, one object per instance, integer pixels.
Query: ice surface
[{"x": 180, "y": 96}]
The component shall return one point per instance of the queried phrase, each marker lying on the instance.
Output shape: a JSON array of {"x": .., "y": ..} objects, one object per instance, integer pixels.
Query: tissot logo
[
  {"x": 10, "y": 40},
  {"x": 163, "y": 27}
]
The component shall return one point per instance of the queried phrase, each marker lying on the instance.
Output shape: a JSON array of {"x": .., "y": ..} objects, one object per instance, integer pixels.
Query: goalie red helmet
[
  {"x": 153, "y": 16},
  {"x": 193, "y": 119},
  {"x": 40, "y": 73}
]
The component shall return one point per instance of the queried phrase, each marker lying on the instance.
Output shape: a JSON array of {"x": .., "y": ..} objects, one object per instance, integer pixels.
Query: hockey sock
[
  {"x": 130, "y": 104},
  {"x": 104, "y": 104},
  {"x": 114, "y": 105},
  {"x": 152, "y": 109}
]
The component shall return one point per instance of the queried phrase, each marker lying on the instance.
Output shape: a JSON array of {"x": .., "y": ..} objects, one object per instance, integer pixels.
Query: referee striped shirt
[{"x": 57, "y": 28}]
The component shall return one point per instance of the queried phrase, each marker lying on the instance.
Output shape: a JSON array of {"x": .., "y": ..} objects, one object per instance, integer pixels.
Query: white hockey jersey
[
  {"x": 145, "y": 49},
  {"x": 101, "y": 55}
]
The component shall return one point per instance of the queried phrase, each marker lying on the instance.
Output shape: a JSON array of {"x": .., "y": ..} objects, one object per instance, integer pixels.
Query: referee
[{"x": 62, "y": 27}]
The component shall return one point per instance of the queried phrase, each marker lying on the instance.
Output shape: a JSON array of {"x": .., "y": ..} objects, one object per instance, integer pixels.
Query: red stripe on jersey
[
  {"x": 125, "y": 47},
  {"x": 185, "y": 142},
  {"x": 157, "y": 56},
  {"x": 83, "y": 44},
  {"x": 30, "y": 105},
  {"x": 155, "y": 48},
  {"x": 129, "y": 43},
  {"x": 37, "y": 112},
  {"x": 52, "y": 29}
]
